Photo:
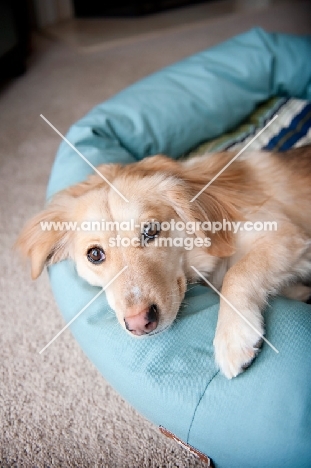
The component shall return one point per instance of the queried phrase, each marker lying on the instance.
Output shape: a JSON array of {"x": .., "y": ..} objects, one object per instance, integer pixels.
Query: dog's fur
[{"x": 248, "y": 266}]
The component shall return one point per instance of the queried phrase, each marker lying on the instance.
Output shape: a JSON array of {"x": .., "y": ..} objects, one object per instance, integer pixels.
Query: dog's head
[{"x": 108, "y": 234}]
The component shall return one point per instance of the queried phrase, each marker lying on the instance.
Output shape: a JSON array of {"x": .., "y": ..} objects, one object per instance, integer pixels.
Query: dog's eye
[
  {"x": 96, "y": 255},
  {"x": 151, "y": 230}
]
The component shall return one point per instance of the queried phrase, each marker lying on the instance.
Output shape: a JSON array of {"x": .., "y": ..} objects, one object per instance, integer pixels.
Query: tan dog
[{"x": 247, "y": 266}]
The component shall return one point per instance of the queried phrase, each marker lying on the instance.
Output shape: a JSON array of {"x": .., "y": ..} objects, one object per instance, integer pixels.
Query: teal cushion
[{"x": 262, "y": 417}]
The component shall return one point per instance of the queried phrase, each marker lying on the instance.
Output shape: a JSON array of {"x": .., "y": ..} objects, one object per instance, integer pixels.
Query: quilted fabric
[{"x": 262, "y": 417}]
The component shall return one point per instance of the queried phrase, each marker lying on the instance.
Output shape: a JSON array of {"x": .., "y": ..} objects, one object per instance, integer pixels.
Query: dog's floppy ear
[
  {"x": 47, "y": 245},
  {"x": 182, "y": 184},
  {"x": 206, "y": 207},
  {"x": 44, "y": 242}
]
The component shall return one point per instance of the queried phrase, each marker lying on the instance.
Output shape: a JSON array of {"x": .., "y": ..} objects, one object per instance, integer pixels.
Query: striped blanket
[{"x": 292, "y": 128}]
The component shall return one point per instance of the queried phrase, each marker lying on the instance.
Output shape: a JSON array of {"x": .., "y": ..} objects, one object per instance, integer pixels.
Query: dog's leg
[{"x": 273, "y": 261}]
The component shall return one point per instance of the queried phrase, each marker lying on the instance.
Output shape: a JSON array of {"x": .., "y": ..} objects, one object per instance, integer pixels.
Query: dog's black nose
[{"x": 153, "y": 315}]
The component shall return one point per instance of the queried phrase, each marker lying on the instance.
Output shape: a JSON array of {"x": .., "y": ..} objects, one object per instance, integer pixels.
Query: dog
[{"x": 247, "y": 266}]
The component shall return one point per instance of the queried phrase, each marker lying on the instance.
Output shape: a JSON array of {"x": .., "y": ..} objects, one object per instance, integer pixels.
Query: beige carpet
[{"x": 55, "y": 408}]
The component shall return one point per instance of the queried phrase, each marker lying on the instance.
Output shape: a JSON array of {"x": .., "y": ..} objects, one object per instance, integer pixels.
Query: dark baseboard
[{"x": 98, "y": 8}]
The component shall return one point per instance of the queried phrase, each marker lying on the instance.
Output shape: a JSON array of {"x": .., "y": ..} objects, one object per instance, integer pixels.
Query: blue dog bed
[{"x": 262, "y": 417}]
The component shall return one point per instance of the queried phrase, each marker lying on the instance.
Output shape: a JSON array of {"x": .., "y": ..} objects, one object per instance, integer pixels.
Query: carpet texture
[{"x": 55, "y": 408}]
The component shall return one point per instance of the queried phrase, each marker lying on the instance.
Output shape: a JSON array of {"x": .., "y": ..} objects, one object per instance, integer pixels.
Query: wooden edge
[{"x": 188, "y": 447}]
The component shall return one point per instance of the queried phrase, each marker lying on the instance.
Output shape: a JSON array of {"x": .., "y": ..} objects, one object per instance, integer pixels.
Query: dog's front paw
[{"x": 236, "y": 345}]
